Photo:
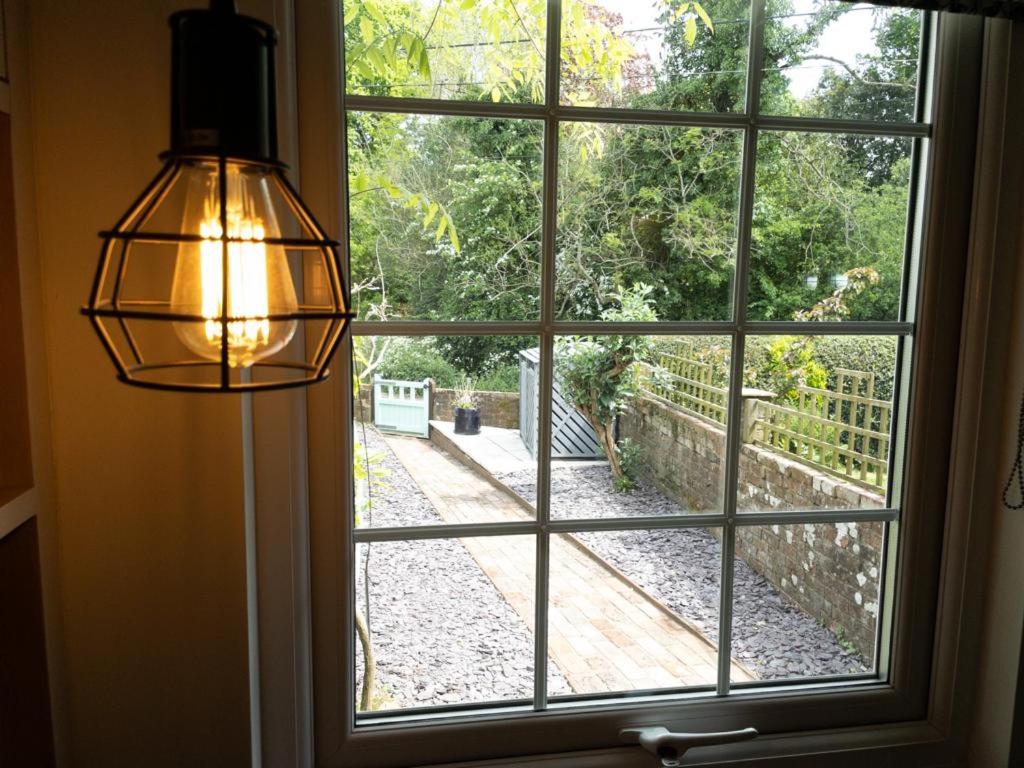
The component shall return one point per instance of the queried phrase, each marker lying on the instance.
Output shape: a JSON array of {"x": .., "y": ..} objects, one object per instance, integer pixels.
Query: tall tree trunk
[{"x": 369, "y": 664}]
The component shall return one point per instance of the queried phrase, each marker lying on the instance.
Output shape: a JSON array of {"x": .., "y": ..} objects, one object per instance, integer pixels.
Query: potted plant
[{"x": 467, "y": 411}]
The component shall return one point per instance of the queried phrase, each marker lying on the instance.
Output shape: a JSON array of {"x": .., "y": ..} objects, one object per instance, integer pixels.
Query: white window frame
[{"x": 905, "y": 701}]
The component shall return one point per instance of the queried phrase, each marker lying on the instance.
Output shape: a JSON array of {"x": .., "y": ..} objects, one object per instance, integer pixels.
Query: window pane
[
  {"x": 647, "y": 204},
  {"x": 450, "y": 621},
  {"x": 664, "y": 413},
  {"x": 480, "y": 50},
  {"x": 655, "y": 55},
  {"x": 436, "y": 425},
  {"x": 635, "y": 610},
  {"x": 806, "y": 599},
  {"x": 445, "y": 217},
  {"x": 830, "y": 219},
  {"x": 817, "y": 422},
  {"x": 836, "y": 59}
]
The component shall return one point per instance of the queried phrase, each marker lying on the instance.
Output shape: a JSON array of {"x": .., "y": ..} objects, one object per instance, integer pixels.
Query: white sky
[{"x": 844, "y": 40}]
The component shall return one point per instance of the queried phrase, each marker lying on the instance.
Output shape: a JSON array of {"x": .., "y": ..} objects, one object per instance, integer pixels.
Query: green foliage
[
  {"x": 446, "y": 211},
  {"x": 599, "y": 374},
  {"x": 418, "y": 359},
  {"x": 872, "y": 354},
  {"x": 780, "y": 364},
  {"x": 630, "y": 458},
  {"x": 500, "y": 378}
]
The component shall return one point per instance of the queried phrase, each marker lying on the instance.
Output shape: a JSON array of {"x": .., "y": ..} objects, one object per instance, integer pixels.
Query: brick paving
[{"x": 605, "y": 634}]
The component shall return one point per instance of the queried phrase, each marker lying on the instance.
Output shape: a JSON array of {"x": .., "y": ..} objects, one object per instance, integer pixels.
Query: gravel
[
  {"x": 442, "y": 632},
  {"x": 682, "y": 569}
]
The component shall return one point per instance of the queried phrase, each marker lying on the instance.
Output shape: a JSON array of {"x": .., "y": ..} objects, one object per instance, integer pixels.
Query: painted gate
[{"x": 402, "y": 407}]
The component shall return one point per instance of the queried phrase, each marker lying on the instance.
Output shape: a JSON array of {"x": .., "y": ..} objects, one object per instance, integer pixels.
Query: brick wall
[
  {"x": 830, "y": 570},
  {"x": 497, "y": 409}
]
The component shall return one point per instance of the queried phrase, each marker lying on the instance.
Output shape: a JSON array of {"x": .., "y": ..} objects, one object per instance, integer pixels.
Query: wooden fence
[
  {"x": 844, "y": 431},
  {"x": 687, "y": 385}
]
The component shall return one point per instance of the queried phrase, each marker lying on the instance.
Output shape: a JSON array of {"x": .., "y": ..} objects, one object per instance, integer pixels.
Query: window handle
[{"x": 670, "y": 747}]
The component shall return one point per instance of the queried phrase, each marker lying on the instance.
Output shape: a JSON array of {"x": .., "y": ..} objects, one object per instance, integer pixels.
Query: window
[{"x": 671, "y": 254}]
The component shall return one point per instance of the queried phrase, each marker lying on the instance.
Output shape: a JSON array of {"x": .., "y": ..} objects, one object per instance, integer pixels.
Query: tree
[{"x": 599, "y": 374}]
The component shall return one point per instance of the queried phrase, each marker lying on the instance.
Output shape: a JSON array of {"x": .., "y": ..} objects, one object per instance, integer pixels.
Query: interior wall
[{"x": 149, "y": 485}]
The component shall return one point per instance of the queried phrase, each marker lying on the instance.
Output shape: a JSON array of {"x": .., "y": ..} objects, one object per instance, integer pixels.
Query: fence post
[{"x": 752, "y": 401}]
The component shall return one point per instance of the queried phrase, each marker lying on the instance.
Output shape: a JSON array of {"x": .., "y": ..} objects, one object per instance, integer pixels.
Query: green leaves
[
  {"x": 704, "y": 17},
  {"x": 690, "y": 22},
  {"x": 362, "y": 182}
]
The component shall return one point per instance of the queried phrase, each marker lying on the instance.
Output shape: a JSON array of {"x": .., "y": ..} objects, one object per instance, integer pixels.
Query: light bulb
[{"x": 259, "y": 283}]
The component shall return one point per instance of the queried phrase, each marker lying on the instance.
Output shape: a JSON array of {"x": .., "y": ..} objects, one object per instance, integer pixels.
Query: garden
[{"x": 446, "y": 226}]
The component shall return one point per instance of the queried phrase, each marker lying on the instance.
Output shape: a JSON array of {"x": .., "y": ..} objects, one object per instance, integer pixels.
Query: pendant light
[{"x": 218, "y": 278}]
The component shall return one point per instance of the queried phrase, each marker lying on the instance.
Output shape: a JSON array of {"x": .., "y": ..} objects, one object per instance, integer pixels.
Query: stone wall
[
  {"x": 497, "y": 409},
  {"x": 830, "y": 570}
]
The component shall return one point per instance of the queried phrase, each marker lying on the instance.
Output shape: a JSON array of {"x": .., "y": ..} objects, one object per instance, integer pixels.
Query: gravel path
[
  {"x": 682, "y": 568},
  {"x": 442, "y": 632}
]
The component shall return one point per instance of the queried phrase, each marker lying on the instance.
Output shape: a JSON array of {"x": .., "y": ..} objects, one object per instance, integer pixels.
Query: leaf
[
  {"x": 431, "y": 213},
  {"x": 454, "y": 237},
  {"x": 691, "y": 30},
  {"x": 495, "y": 94},
  {"x": 374, "y": 10},
  {"x": 376, "y": 58},
  {"x": 366, "y": 29},
  {"x": 681, "y": 10},
  {"x": 441, "y": 226},
  {"x": 704, "y": 17},
  {"x": 359, "y": 183},
  {"x": 467, "y": 4}
]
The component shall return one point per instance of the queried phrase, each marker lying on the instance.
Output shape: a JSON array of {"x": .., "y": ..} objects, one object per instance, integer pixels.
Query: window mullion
[
  {"x": 739, "y": 298},
  {"x": 547, "y": 312}
]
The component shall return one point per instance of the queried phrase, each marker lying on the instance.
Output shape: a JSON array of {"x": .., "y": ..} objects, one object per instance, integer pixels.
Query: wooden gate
[{"x": 401, "y": 407}]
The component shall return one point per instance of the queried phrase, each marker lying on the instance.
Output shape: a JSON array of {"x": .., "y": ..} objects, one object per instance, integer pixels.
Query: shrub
[
  {"x": 780, "y": 364},
  {"x": 417, "y": 359},
  {"x": 500, "y": 378},
  {"x": 873, "y": 354}
]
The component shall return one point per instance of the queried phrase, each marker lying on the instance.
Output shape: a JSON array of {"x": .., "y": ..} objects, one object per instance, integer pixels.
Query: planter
[{"x": 467, "y": 421}]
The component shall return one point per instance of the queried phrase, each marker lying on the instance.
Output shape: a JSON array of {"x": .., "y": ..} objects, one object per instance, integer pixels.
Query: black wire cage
[{"x": 219, "y": 278}]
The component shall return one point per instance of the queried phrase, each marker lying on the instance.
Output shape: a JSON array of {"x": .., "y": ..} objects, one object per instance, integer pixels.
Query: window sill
[{"x": 897, "y": 744}]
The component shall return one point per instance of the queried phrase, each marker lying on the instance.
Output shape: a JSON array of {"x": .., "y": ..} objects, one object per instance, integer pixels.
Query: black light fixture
[{"x": 219, "y": 278}]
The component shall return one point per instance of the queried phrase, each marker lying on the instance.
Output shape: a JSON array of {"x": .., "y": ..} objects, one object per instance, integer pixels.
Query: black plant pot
[{"x": 467, "y": 421}]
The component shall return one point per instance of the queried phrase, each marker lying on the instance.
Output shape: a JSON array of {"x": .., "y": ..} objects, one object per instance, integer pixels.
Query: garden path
[{"x": 605, "y": 634}]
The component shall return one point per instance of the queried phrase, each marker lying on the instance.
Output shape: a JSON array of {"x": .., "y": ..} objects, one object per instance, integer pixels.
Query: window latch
[{"x": 670, "y": 747}]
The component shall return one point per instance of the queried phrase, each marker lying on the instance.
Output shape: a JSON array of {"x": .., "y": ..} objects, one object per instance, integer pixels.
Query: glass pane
[
  {"x": 450, "y": 621},
  {"x": 836, "y": 59},
  {"x": 635, "y": 610},
  {"x": 445, "y": 217},
  {"x": 817, "y": 420},
  {"x": 666, "y": 54},
  {"x": 647, "y": 204},
  {"x": 437, "y": 428},
  {"x": 476, "y": 50},
  {"x": 664, "y": 413},
  {"x": 806, "y": 599},
  {"x": 830, "y": 219}
]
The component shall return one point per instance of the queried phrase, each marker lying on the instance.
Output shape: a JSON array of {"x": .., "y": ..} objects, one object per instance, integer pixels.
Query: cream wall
[{"x": 149, "y": 523}]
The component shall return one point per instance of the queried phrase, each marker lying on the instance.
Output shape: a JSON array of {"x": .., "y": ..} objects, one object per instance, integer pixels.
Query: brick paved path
[{"x": 605, "y": 634}]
